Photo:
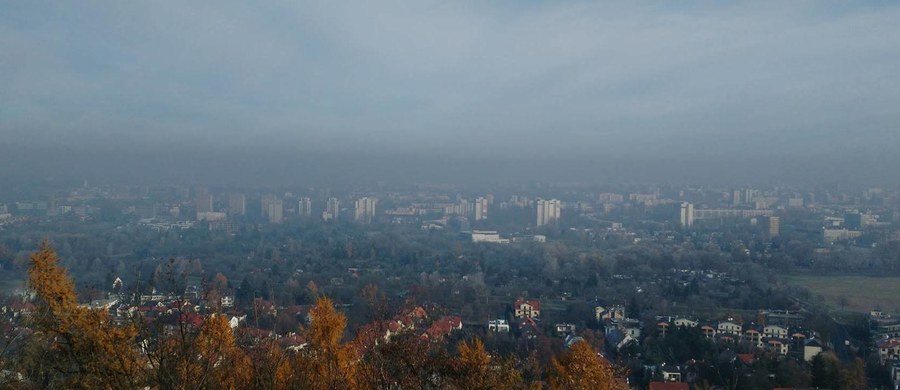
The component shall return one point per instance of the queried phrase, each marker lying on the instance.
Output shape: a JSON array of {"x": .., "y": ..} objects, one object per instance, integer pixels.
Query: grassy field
[{"x": 862, "y": 293}]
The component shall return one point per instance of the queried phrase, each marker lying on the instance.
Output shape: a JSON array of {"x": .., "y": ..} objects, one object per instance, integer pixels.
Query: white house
[
  {"x": 775, "y": 331},
  {"x": 729, "y": 327},
  {"x": 498, "y": 325}
]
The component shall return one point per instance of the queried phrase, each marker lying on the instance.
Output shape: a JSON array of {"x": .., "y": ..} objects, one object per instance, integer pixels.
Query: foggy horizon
[{"x": 231, "y": 93}]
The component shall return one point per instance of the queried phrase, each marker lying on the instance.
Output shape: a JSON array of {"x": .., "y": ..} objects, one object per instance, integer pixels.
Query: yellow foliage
[
  {"x": 226, "y": 365},
  {"x": 272, "y": 369},
  {"x": 582, "y": 368},
  {"x": 89, "y": 350},
  {"x": 473, "y": 368},
  {"x": 326, "y": 363}
]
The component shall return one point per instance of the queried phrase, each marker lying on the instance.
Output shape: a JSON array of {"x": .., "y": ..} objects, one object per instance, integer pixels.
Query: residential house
[
  {"x": 616, "y": 312},
  {"x": 811, "y": 348},
  {"x": 527, "y": 308},
  {"x": 443, "y": 327},
  {"x": 684, "y": 322},
  {"x": 753, "y": 337},
  {"x": 729, "y": 327},
  {"x": 888, "y": 349},
  {"x": 670, "y": 373},
  {"x": 565, "y": 329},
  {"x": 708, "y": 331},
  {"x": 662, "y": 328},
  {"x": 498, "y": 325},
  {"x": 776, "y": 346},
  {"x": 775, "y": 331}
]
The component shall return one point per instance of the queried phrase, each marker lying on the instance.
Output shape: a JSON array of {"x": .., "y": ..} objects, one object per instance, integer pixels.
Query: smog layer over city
[{"x": 449, "y": 195}]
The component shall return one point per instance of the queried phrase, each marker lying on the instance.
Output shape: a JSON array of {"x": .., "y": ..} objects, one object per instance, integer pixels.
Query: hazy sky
[{"x": 702, "y": 84}]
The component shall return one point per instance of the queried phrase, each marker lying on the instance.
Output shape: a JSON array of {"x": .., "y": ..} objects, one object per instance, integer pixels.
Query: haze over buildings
[{"x": 233, "y": 92}]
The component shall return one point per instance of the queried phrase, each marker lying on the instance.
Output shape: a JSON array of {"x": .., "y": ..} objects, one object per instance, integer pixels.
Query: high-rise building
[
  {"x": 687, "y": 214},
  {"x": 774, "y": 226},
  {"x": 736, "y": 198},
  {"x": 272, "y": 208},
  {"x": 237, "y": 204},
  {"x": 481, "y": 208},
  {"x": 463, "y": 208},
  {"x": 264, "y": 202},
  {"x": 275, "y": 211},
  {"x": 304, "y": 207},
  {"x": 364, "y": 210},
  {"x": 203, "y": 202},
  {"x": 749, "y": 195},
  {"x": 332, "y": 209},
  {"x": 548, "y": 211}
]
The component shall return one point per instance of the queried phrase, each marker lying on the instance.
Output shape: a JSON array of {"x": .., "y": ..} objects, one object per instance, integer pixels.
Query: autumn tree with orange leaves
[
  {"x": 75, "y": 347},
  {"x": 474, "y": 368},
  {"x": 87, "y": 350},
  {"x": 326, "y": 363},
  {"x": 582, "y": 368}
]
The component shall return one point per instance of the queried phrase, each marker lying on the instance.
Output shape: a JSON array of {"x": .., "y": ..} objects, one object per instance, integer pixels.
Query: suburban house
[
  {"x": 775, "y": 331},
  {"x": 776, "y": 346},
  {"x": 498, "y": 325},
  {"x": 888, "y": 349},
  {"x": 811, "y": 348},
  {"x": 565, "y": 329},
  {"x": 684, "y": 322},
  {"x": 663, "y": 328},
  {"x": 527, "y": 308},
  {"x": 729, "y": 327},
  {"x": 753, "y": 337},
  {"x": 443, "y": 327}
]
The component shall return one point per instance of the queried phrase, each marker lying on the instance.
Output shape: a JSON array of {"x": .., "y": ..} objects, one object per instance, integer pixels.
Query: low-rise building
[
  {"x": 811, "y": 349},
  {"x": 888, "y": 349},
  {"x": 498, "y": 325},
  {"x": 527, "y": 308},
  {"x": 729, "y": 327}
]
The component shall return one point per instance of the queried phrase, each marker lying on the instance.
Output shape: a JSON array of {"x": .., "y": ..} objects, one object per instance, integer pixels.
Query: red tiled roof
[
  {"x": 889, "y": 343},
  {"x": 443, "y": 327},
  {"x": 534, "y": 303},
  {"x": 192, "y": 319}
]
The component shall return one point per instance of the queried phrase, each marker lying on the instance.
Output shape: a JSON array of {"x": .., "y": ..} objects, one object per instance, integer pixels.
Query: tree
[
  {"x": 220, "y": 282},
  {"x": 326, "y": 363},
  {"x": 581, "y": 368},
  {"x": 271, "y": 367},
  {"x": 225, "y": 366},
  {"x": 473, "y": 368},
  {"x": 854, "y": 376},
  {"x": 406, "y": 362},
  {"x": 88, "y": 350},
  {"x": 826, "y": 370}
]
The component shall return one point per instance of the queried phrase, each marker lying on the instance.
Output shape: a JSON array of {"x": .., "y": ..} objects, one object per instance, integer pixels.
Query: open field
[{"x": 862, "y": 293}]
